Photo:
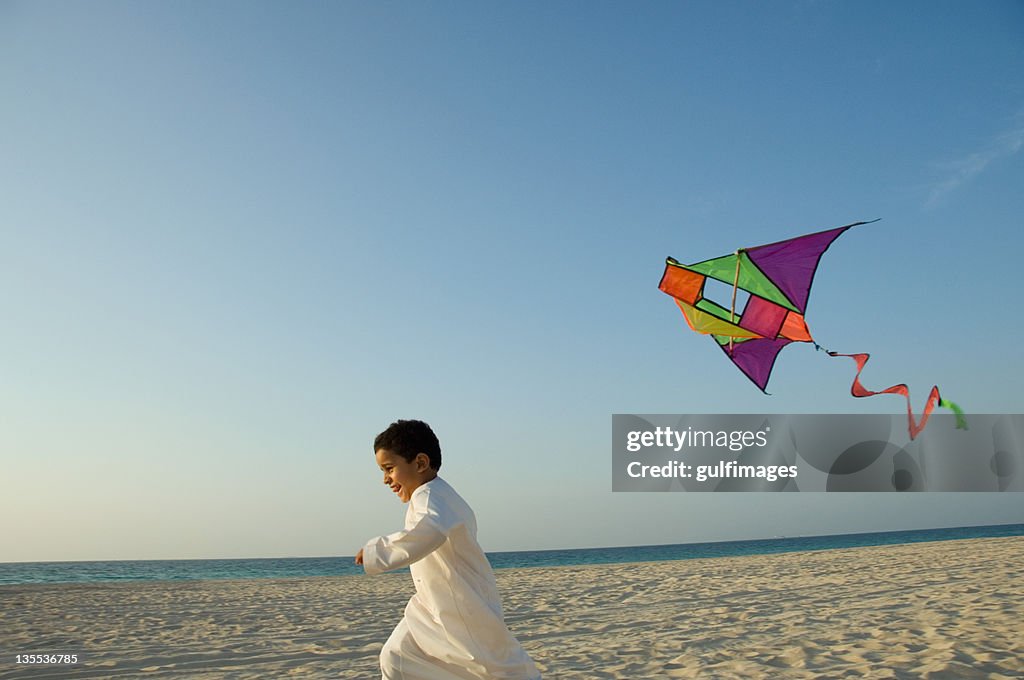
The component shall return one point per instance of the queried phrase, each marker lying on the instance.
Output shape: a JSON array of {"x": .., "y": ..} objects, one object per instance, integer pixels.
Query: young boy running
[{"x": 453, "y": 628}]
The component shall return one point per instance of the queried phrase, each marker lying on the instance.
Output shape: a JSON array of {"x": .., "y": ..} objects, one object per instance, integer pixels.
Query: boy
[{"x": 453, "y": 628}]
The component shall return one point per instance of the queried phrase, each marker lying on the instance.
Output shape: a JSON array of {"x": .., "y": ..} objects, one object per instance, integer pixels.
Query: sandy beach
[{"x": 951, "y": 609}]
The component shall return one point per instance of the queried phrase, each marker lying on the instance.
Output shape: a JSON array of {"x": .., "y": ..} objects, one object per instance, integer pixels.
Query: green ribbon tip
[{"x": 961, "y": 421}]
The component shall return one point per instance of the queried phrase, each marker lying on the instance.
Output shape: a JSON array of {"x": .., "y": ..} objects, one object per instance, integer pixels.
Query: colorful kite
[{"x": 778, "y": 279}]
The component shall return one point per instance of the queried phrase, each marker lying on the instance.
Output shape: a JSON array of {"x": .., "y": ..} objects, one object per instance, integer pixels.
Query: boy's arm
[{"x": 402, "y": 548}]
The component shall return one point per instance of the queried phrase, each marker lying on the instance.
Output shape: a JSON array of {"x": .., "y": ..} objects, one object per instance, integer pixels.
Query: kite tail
[{"x": 934, "y": 399}]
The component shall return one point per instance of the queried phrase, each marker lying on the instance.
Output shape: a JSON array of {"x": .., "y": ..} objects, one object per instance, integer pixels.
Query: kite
[{"x": 777, "y": 280}]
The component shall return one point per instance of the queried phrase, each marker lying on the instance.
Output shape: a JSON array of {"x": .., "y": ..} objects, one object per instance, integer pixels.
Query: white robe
[{"x": 453, "y": 628}]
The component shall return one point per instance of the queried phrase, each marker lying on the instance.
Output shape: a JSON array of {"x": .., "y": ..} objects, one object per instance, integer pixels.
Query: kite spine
[{"x": 735, "y": 285}]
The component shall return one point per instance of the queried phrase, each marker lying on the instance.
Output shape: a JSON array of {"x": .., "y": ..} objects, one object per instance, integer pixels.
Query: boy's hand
[{"x": 359, "y": 556}]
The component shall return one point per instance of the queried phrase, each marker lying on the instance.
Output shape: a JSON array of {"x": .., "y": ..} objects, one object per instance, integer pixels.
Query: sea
[{"x": 295, "y": 567}]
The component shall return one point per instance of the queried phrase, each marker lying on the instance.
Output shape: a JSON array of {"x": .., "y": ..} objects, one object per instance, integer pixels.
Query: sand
[{"x": 952, "y": 609}]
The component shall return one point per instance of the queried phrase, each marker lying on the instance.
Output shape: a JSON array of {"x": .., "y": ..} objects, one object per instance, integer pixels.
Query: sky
[{"x": 238, "y": 239}]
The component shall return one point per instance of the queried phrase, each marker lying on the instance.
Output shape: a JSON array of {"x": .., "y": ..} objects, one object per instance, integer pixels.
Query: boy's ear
[{"x": 422, "y": 461}]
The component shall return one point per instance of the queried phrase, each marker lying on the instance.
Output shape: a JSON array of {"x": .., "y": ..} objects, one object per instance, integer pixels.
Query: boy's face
[{"x": 404, "y": 476}]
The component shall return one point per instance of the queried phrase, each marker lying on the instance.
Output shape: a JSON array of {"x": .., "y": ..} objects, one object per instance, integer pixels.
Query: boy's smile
[{"x": 404, "y": 476}]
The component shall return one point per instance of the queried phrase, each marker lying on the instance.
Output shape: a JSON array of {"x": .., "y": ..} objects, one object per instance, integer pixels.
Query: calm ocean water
[{"x": 149, "y": 570}]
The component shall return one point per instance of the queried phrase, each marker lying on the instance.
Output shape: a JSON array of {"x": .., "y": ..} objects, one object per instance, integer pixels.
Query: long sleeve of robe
[{"x": 454, "y": 627}]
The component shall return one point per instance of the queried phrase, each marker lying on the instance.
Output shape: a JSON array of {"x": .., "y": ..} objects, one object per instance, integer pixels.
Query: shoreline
[
  {"x": 949, "y": 608},
  {"x": 186, "y": 569}
]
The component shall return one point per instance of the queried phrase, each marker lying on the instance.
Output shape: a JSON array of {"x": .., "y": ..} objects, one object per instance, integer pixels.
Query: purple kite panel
[
  {"x": 756, "y": 358},
  {"x": 791, "y": 264}
]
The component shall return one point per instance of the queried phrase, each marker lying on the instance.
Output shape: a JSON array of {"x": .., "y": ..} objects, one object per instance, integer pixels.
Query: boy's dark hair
[{"x": 408, "y": 438}]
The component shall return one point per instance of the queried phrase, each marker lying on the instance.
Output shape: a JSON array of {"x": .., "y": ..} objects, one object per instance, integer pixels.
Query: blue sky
[{"x": 239, "y": 239}]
